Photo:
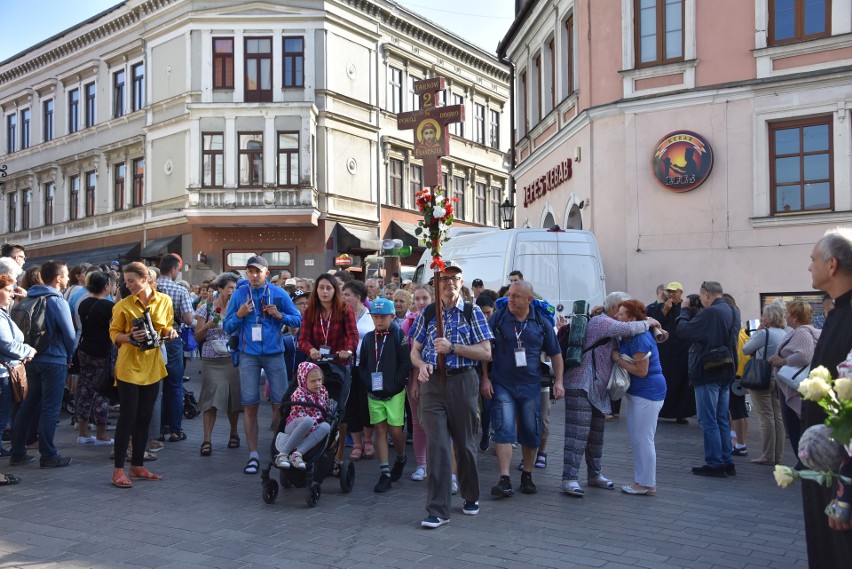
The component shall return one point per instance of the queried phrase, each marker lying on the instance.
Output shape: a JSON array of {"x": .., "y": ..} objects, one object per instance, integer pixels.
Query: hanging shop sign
[
  {"x": 551, "y": 180},
  {"x": 682, "y": 161},
  {"x": 343, "y": 260}
]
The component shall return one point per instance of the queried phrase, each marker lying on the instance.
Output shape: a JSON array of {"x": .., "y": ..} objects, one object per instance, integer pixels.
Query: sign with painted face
[{"x": 682, "y": 160}]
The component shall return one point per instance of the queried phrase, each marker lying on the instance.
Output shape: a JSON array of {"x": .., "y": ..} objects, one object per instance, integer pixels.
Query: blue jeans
[
  {"x": 711, "y": 402},
  {"x": 276, "y": 374},
  {"x": 172, "y": 413},
  {"x": 5, "y": 403},
  {"x": 516, "y": 404},
  {"x": 46, "y": 383}
]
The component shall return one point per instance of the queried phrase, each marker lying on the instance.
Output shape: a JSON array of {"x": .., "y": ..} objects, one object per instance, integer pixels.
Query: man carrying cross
[{"x": 449, "y": 405}]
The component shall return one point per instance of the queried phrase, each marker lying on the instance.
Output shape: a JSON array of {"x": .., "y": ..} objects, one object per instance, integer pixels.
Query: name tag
[
  {"x": 520, "y": 357},
  {"x": 325, "y": 350},
  {"x": 378, "y": 381},
  {"x": 257, "y": 333}
]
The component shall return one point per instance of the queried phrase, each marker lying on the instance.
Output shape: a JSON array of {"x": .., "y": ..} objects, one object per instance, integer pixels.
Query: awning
[
  {"x": 407, "y": 233},
  {"x": 161, "y": 247},
  {"x": 350, "y": 238},
  {"x": 101, "y": 256}
]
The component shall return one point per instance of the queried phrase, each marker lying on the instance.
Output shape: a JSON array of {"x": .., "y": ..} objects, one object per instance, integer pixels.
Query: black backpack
[{"x": 30, "y": 314}]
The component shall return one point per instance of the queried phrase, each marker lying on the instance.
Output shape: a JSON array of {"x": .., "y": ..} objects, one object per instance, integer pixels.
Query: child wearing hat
[{"x": 385, "y": 363}]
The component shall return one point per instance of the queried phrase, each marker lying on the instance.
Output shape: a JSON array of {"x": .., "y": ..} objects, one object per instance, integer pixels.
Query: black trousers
[{"x": 137, "y": 406}]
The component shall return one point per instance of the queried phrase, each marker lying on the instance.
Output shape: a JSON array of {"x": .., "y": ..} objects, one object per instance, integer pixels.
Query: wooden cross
[{"x": 431, "y": 136}]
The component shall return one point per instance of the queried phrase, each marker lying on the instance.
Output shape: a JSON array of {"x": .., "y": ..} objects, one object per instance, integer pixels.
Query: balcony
[{"x": 302, "y": 197}]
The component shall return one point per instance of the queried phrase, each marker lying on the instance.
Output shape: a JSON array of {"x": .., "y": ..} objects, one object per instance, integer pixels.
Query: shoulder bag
[
  {"x": 792, "y": 376},
  {"x": 758, "y": 372},
  {"x": 18, "y": 381}
]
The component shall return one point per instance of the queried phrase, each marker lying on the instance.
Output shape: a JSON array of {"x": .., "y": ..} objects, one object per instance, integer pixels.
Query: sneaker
[
  {"x": 104, "y": 443},
  {"x": 384, "y": 484},
  {"x": 24, "y": 459},
  {"x": 527, "y": 485},
  {"x": 740, "y": 451},
  {"x": 86, "y": 440},
  {"x": 155, "y": 446},
  {"x": 454, "y": 485},
  {"x": 470, "y": 508},
  {"x": 398, "y": 466},
  {"x": 709, "y": 471},
  {"x": 55, "y": 462},
  {"x": 419, "y": 474},
  {"x": 282, "y": 461},
  {"x": 730, "y": 469},
  {"x": 296, "y": 461},
  {"x": 433, "y": 522},
  {"x": 484, "y": 442},
  {"x": 503, "y": 488}
]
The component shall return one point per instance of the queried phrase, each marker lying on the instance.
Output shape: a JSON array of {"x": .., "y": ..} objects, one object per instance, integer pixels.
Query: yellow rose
[
  {"x": 783, "y": 475},
  {"x": 814, "y": 388},
  {"x": 821, "y": 372},
  {"x": 843, "y": 388}
]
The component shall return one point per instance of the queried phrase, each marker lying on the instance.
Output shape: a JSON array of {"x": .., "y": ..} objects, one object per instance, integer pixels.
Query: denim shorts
[
  {"x": 276, "y": 375},
  {"x": 519, "y": 404}
]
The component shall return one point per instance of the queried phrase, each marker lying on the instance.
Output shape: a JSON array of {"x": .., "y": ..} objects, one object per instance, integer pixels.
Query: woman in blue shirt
[{"x": 643, "y": 400}]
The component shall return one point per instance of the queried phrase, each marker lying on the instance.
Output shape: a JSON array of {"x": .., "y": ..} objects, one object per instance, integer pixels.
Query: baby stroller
[{"x": 319, "y": 461}]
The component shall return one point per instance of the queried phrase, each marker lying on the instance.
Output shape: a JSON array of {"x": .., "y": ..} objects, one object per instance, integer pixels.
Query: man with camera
[
  {"x": 712, "y": 326},
  {"x": 257, "y": 313}
]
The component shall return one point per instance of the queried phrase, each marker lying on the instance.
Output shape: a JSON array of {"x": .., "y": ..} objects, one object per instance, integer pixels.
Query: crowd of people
[{"x": 436, "y": 371}]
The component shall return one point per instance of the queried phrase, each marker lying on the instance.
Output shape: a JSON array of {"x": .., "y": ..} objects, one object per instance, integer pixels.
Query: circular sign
[
  {"x": 682, "y": 161},
  {"x": 343, "y": 260}
]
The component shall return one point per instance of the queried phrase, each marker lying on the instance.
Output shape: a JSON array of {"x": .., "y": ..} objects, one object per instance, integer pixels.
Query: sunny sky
[{"x": 481, "y": 22}]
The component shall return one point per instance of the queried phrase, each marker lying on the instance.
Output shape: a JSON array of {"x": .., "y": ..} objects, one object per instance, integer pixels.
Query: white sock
[{"x": 254, "y": 454}]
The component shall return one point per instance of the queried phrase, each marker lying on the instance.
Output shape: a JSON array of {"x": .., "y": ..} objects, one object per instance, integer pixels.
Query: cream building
[
  {"x": 218, "y": 129},
  {"x": 602, "y": 83}
]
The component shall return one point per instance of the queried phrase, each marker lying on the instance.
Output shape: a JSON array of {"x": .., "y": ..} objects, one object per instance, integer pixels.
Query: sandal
[
  {"x": 234, "y": 441},
  {"x": 142, "y": 473},
  {"x": 572, "y": 488},
  {"x": 541, "y": 460},
  {"x": 369, "y": 450},
  {"x": 206, "y": 449},
  {"x": 601, "y": 482},
  {"x": 175, "y": 437},
  {"x": 252, "y": 466},
  {"x": 120, "y": 480},
  {"x": 9, "y": 479},
  {"x": 356, "y": 452}
]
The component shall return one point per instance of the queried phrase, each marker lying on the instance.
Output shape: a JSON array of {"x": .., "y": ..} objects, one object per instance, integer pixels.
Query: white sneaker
[
  {"x": 282, "y": 461},
  {"x": 454, "y": 485},
  {"x": 86, "y": 440},
  {"x": 419, "y": 474},
  {"x": 105, "y": 443}
]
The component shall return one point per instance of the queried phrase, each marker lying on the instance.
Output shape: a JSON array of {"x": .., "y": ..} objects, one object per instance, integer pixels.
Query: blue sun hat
[{"x": 382, "y": 306}]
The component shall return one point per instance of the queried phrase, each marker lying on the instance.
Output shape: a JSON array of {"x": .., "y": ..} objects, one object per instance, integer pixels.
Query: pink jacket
[{"x": 302, "y": 393}]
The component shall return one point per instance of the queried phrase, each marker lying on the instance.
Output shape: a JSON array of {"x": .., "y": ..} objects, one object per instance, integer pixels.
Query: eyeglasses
[{"x": 450, "y": 279}]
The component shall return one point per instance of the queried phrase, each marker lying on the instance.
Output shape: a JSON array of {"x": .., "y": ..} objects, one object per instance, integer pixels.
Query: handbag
[
  {"x": 793, "y": 376},
  {"x": 758, "y": 373},
  {"x": 619, "y": 382},
  {"x": 714, "y": 359},
  {"x": 18, "y": 381}
]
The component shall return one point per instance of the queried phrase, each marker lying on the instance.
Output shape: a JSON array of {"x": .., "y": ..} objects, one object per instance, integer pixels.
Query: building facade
[
  {"x": 220, "y": 129},
  {"x": 607, "y": 95}
]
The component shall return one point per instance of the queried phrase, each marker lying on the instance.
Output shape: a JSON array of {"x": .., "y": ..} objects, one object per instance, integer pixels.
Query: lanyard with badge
[
  {"x": 520, "y": 353},
  {"x": 376, "y": 376},
  {"x": 325, "y": 349},
  {"x": 257, "y": 329}
]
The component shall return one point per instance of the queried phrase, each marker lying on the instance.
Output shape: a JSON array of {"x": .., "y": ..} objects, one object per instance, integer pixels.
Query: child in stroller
[
  {"x": 304, "y": 426},
  {"x": 306, "y": 442}
]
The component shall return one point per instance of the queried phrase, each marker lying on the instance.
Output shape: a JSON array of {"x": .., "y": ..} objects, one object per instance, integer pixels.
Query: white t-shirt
[{"x": 365, "y": 325}]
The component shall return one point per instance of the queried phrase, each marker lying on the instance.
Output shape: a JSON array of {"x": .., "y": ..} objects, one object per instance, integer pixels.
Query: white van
[{"x": 562, "y": 265}]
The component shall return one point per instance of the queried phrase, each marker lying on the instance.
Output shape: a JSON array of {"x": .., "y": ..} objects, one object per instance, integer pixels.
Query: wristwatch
[{"x": 452, "y": 348}]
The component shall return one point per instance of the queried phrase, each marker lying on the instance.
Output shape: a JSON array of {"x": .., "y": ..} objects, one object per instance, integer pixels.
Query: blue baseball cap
[{"x": 382, "y": 306}]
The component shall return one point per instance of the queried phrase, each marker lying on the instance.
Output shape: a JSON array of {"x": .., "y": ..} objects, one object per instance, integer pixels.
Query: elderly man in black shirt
[{"x": 830, "y": 541}]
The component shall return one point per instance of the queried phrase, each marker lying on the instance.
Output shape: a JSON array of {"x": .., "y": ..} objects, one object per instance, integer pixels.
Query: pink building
[{"x": 698, "y": 140}]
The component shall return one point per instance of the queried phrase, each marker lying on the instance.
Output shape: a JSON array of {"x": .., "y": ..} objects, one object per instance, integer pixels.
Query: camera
[
  {"x": 152, "y": 340},
  {"x": 695, "y": 302}
]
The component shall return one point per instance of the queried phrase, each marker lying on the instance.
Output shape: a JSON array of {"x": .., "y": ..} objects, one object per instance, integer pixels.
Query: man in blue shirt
[
  {"x": 514, "y": 384},
  {"x": 450, "y": 407},
  {"x": 257, "y": 314}
]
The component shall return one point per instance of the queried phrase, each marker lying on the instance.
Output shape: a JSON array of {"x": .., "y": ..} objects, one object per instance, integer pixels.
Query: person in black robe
[
  {"x": 674, "y": 357},
  {"x": 829, "y": 542}
]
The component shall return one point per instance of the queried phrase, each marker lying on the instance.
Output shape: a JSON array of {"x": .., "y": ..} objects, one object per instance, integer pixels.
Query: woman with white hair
[
  {"x": 586, "y": 399},
  {"x": 762, "y": 344}
]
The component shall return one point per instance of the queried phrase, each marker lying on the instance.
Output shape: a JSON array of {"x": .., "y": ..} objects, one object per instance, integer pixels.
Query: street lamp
[{"x": 507, "y": 214}]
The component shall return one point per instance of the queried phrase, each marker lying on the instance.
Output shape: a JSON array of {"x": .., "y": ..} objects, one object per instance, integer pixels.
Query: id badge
[
  {"x": 257, "y": 333},
  {"x": 520, "y": 357},
  {"x": 325, "y": 350},
  {"x": 378, "y": 382}
]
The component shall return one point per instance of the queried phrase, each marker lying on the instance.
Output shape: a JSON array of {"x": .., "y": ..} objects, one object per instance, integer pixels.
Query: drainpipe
[
  {"x": 379, "y": 174},
  {"x": 511, "y": 127}
]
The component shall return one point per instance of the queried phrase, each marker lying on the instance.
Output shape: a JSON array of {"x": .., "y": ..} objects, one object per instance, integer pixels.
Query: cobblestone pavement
[{"x": 207, "y": 513}]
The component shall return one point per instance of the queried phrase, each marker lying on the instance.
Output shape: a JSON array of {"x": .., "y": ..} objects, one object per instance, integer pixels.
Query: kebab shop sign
[{"x": 548, "y": 182}]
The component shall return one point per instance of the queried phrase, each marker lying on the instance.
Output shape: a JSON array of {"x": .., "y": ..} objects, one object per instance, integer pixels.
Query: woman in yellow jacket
[{"x": 139, "y": 368}]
